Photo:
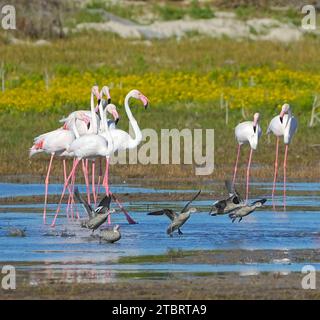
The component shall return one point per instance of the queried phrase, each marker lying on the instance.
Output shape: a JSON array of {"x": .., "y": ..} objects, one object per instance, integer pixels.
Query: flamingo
[
  {"x": 111, "y": 108},
  {"x": 56, "y": 142},
  {"x": 53, "y": 142},
  {"x": 89, "y": 146},
  {"x": 83, "y": 119},
  {"x": 121, "y": 139},
  {"x": 283, "y": 125},
  {"x": 247, "y": 132}
]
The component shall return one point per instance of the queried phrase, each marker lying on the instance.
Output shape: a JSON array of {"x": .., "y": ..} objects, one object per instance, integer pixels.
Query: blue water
[{"x": 298, "y": 228}]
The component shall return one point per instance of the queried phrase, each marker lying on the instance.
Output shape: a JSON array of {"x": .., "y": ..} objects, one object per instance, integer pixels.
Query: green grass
[{"x": 105, "y": 52}]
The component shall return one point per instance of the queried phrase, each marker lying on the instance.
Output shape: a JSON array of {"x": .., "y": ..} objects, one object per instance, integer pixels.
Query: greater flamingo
[
  {"x": 89, "y": 146},
  {"x": 283, "y": 125},
  {"x": 53, "y": 142},
  {"x": 121, "y": 139},
  {"x": 87, "y": 121},
  {"x": 247, "y": 132}
]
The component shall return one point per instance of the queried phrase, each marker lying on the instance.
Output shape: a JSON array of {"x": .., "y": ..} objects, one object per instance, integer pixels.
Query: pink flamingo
[
  {"x": 103, "y": 145},
  {"x": 87, "y": 121},
  {"x": 247, "y": 132},
  {"x": 53, "y": 142},
  {"x": 87, "y": 147},
  {"x": 283, "y": 125}
]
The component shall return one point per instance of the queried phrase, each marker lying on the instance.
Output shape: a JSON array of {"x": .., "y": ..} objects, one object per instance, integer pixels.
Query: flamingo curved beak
[
  {"x": 144, "y": 100},
  {"x": 115, "y": 116},
  {"x": 281, "y": 116}
]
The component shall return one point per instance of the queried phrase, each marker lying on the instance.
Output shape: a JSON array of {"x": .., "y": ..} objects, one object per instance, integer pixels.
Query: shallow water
[{"x": 297, "y": 228}]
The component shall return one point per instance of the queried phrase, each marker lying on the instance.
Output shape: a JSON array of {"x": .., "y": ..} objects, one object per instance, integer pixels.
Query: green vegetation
[{"x": 105, "y": 55}]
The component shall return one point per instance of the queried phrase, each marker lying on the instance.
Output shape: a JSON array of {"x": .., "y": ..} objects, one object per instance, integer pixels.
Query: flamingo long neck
[
  {"x": 93, "y": 116},
  {"x": 133, "y": 142},
  {"x": 105, "y": 129}
]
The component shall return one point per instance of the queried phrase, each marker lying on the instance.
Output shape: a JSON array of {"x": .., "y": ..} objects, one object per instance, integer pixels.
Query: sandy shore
[
  {"x": 218, "y": 286},
  {"x": 246, "y": 285}
]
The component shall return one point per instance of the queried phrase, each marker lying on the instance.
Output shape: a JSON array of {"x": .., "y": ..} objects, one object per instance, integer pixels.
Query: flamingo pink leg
[
  {"x": 106, "y": 184},
  {"x": 64, "y": 191},
  {"x": 236, "y": 165},
  {"x": 65, "y": 178},
  {"x": 248, "y": 175},
  {"x": 100, "y": 176},
  {"x": 275, "y": 172},
  {"x": 106, "y": 177},
  {"x": 285, "y": 176},
  {"x": 85, "y": 173},
  {"x": 46, "y": 189},
  {"x": 93, "y": 184},
  {"x": 73, "y": 179},
  {"x": 70, "y": 199},
  {"x": 129, "y": 219}
]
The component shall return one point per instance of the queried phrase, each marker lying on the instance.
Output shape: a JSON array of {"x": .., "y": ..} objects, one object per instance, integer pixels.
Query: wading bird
[
  {"x": 178, "y": 219},
  {"x": 247, "y": 132},
  {"x": 245, "y": 210},
  {"x": 86, "y": 147},
  {"x": 53, "y": 142},
  {"x": 56, "y": 142},
  {"x": 283, "y": 125}
]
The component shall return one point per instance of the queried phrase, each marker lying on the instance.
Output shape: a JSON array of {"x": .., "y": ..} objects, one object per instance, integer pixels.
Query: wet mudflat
[{"x": 266, "y": 242}]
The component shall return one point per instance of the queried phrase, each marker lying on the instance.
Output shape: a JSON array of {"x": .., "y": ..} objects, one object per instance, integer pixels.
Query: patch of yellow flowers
[{"x": 253, "y": 88}]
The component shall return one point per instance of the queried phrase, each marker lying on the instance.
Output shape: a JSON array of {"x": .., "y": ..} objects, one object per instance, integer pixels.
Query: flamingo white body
[
  {"x": 56, "y": 141},
  {"x": 286, "y": 129},
  {"x": 247, "y": 132},
  {"x": 283, "y": 125}
]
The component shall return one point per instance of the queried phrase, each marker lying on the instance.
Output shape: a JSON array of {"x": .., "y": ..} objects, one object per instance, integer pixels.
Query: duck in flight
[
  {"x": 177, "y": 219},
  {"x": 227, "y": 205},
  {"x": 96, "y": 216},
  {"x": 245, "y": 210}
]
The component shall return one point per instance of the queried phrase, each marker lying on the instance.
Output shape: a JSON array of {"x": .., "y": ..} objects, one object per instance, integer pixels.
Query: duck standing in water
[
  {"x": 225, "y": 206},
  {"x": 17, "y": 232},
  {"x": 110, "y": 234},
  {"x": 98, "y": 216},
  {"x": 245, "y": 210},
  {"x": 178, "y": 219}
]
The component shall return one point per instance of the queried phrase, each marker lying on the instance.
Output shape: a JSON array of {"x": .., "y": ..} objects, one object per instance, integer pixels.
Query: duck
[
  {"x": 110, "y": 234},
  {"x": 245, "y": 210},
  {"x": 225, "y": 206},
  {"x": 178, "y": 219},
  {"x": 96, "y": 216}
]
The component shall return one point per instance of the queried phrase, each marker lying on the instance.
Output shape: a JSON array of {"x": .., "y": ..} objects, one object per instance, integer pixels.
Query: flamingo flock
[
  {"x": 88, "y": 135},
  {"x": 283, "y": 125}
]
